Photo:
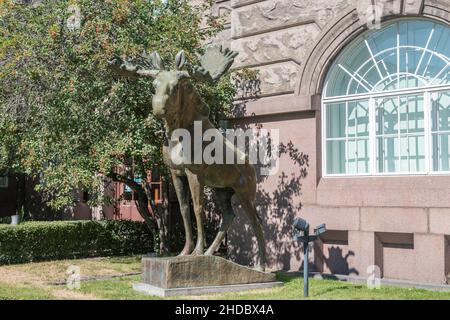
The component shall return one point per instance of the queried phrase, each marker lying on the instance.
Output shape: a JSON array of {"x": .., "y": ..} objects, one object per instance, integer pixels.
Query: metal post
[
  {"x": 302, "y": 235},
  {"x": 305, "y": 268}
]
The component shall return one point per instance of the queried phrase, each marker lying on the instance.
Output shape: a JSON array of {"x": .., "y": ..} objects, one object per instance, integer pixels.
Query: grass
[
  {"x": 34, "y": 281},
  {"x": 120, "y": 288},
  {"x": 10, "y": 292},
  {"x": 37, "y": 280}
]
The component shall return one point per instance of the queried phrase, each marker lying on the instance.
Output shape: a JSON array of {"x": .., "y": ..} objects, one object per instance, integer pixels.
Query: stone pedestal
[{"x": 193, "y": 275}]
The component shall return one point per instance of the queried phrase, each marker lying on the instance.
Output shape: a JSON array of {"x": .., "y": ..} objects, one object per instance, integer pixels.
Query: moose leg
[
  {"x": 182, "y": 190},
  {"x": 249, "y": 207},
  {"x": 224, "y": 202},
  {"x": 196, "y": 185}
]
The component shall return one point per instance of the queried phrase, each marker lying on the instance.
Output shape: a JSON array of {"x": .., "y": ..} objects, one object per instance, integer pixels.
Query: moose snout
[{"x": 159, "y": 104}]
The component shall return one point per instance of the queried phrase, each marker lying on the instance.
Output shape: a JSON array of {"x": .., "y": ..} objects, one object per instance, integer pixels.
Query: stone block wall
[{"x": 274, "y": 37}]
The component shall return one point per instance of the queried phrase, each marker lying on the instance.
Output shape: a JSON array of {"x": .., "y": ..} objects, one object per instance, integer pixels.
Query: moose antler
[
  {"x": 146, "y": 65},
  {"x": 214, "y": 63}
]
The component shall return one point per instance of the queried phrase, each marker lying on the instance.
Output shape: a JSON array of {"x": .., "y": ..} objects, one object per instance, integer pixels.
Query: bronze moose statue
[{"x": 179, "y": 104}]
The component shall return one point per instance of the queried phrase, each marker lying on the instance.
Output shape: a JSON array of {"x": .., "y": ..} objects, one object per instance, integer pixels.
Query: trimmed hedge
[{"x": 39, "y": 241}]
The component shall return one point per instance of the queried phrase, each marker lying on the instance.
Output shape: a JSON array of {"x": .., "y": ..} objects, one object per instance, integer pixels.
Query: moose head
[{"x": 172, "y": 87}]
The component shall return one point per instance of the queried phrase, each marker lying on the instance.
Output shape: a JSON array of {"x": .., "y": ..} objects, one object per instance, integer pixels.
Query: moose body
[{"x": 178, "y": 103}]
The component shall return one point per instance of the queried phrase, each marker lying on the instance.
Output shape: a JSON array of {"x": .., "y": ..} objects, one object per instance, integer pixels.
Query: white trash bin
[{"x": 15, "y": 220}]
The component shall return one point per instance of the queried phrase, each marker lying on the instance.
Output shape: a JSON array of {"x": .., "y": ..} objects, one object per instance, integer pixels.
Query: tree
[{"x": 79, "y": 125}]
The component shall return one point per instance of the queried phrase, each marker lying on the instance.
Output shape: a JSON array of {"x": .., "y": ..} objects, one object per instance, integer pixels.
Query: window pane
[
  {"x": 412, "y": 114},
  {"x": 436, "y": 70},
  {"x": 412, "y": 150},
  {"x": 404, "y": 154},
  {"x": 357, "y": 87},
  {"x": 3, "y": 182},
  {"x": 378, "y": 62},
  {"x": 336, "y": 120},
  {"x": 440, "y": 127},
  {"x": 384, "y": 39},
  {"x": 441, "y": 40},
  {"x": 387, "y": 155},
  {"x": 387, "y": 116},
  {"x": 400, "y": 130},
  {"x": 440, "y": 109},
  {"x": 338, "y": 84},
  {"x": 348, "y": 137},
  {"x": 389, "y": 62},
  {"x": 336, "y": 157},
  {"x": 358, "y": 119},
  {"x": 442, "y": 77},
  {"x": 363, "y": 156},
  {"x": 352, "y": 157},
  {"x": 415, "y": 32},
  {"x": 441, "y": 152}
]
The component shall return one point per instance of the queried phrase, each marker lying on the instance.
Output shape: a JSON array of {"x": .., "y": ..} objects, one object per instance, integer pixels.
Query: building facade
[{"x": 360, "y": 93}]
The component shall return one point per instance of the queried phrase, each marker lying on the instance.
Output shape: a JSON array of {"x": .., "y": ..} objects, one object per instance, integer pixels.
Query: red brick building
[{"x": 15, "y": 192}]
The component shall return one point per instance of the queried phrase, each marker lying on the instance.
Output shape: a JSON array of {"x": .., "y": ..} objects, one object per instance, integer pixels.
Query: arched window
[{"x": 386, "y": 102}]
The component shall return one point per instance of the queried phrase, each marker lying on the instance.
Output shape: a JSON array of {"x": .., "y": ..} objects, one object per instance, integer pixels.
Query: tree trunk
[
  {"x": 161, "y": 214},
  {"x": 21, "y": 194},
  {"x": 142, "y": 206},
  {"x": 156, "y": 222}
]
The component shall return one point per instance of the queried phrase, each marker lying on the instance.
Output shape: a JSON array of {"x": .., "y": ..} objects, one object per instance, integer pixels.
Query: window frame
[
  {"x": 4, "y": 182},
  {"x": 427, "y": 96},
  {"x": 425, "y": 91}
]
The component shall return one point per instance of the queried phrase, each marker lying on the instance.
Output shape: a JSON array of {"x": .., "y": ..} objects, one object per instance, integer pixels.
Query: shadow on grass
[{"x": 286, "y": 278}]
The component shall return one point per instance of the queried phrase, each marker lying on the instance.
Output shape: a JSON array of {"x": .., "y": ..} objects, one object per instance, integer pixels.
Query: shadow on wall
[
  {"x": 278, "y": 203},
  {"x": 335, "y": 262},
  {"x": 213, "y": 217},
  {"x": 338, "y": 263},
  {"x": 332, "y": 254}
]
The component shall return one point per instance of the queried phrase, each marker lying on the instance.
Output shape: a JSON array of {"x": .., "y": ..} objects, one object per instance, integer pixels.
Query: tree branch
[{"x": 142, "y": 202}]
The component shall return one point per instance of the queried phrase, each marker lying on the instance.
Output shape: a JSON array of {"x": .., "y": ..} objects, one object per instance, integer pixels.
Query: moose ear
[
  {"x": 180, "y": 60},
  {"x": 157, "y": 61}
]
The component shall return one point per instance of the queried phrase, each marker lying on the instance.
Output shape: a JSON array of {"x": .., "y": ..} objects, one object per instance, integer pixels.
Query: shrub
[
  {"x": 5, "y": 220},
  {"x": 39, "y": 241}
]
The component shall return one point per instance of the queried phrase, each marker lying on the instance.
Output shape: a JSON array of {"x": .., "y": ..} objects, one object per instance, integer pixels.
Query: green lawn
[
  {"x": 34, "y": 281},
  {"x": 120, "y": 288}
]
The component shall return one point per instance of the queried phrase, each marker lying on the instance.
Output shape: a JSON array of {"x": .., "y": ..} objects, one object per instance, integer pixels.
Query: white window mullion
[
  {"x": 399, "y": 139},
  {"x": 324, "y": 139},
  {"x": 372, "y": 139},
  {"x": 427, "y": 129},
  {"x": 374, "y": 60},
  {"x": 424, "y": 51},
  {"x": 435, "y": 148},
  {"x": 408, "y": 150},
  {"x": 439, "y": 74},
  {"x": 398, "y": 57},
  {"x": 354, "y": 78},
  {"x": 346, "y": 138}
]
